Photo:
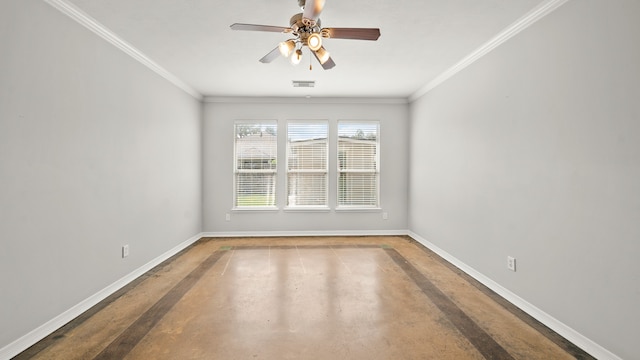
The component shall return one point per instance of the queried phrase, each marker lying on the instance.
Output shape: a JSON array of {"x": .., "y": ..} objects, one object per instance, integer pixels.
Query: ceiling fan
[{"x": 307, "y": 32}]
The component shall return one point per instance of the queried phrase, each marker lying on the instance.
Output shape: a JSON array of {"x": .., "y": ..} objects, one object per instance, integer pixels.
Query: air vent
[{"x": 304, "y": 84}]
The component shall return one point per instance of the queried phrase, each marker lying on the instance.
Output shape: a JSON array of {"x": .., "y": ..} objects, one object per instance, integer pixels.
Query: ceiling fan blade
[
  {"x": 253, "y": 27},
  {"x": 312, "y": 9},
  {"x": 271, "y": 56},
  {"x": 329, "y": 64},
  {"x": 354, "y": 33}
]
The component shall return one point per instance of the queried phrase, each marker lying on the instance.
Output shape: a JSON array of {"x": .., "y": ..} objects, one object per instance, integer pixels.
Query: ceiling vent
[{"x": 304, "y": 84}]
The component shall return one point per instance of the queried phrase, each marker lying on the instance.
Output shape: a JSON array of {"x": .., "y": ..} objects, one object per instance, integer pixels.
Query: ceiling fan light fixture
[
  {"x": 286, "y": 47},
  {"x": 314, "y": 41},
  {"x": 323, "y": 55},
  {"x": 296, "y": 57}
]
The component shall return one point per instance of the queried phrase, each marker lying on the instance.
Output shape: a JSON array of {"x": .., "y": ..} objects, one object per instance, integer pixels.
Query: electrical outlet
[
  {"x": 125, "y": 251},
  {"x": 511, "y": 263},
  {"x": 227, "y": 217},
  {"x": 385, "y": 216}
]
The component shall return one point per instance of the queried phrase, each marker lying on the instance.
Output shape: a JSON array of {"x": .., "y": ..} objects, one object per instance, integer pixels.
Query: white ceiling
[{"x": 192, "y": 40}]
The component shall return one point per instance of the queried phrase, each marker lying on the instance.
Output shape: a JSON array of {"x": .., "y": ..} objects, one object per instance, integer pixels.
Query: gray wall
[
  {"x": 531, "y": 152},
  {"x": 219, "y": 118},
  {"x": 96, "y": 151},
  {"x": 534, "y": 152}
]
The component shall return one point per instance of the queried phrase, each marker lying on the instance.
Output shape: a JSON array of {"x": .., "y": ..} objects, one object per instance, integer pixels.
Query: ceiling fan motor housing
[{"x": 303, "y": 28}]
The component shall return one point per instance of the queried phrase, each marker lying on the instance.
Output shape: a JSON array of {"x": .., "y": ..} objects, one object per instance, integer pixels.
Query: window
[
  {"x": 358, "y": 164},
  {"x": 255, "y": 163},
  {"x": 307, "y": 164}
]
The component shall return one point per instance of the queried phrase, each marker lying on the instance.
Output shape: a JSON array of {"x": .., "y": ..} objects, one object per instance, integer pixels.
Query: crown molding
[
  {"x": 512, "y": 30},
  {"x": 302, "y": 100},
  {"x": 87, "y": 21},
  {"x": 90, "y": 23}
]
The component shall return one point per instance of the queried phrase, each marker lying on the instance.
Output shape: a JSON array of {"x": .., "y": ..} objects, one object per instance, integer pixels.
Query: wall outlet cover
[{"x": 511, "y": 263}]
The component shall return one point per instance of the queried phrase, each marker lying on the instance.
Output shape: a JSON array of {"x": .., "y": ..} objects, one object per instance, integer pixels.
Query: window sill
[
  {"x": 311, "y": 209},
  {"x": 359, "y": 209},
  {"x": 255, "y": 209}
]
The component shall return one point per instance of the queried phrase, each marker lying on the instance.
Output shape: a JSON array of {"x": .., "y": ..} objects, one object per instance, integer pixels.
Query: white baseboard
[
  {"x": 52, "y": 325},
  {"x": 49, "y": 327},
  {"x": 306, "y": 233},
  {"x": 565, "y": 331}
]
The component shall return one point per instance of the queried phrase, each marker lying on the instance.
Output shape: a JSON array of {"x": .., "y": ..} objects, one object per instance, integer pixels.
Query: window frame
[
  {"x": 375, "y": 171},
  {"x": 237, "y": 171},
  {"x": 325, "y": 171}
]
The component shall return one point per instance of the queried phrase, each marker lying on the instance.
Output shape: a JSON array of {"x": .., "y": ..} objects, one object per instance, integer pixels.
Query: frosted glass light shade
[
  {"x": 296, "y": 57},
  {"x": 323, "y": 55},
  {"x": 314, "y": 42},
  {"x": 286, "y": 47}
]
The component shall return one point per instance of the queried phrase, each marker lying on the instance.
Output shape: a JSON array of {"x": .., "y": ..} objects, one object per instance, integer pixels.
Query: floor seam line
[
  {"x": 132, "y": 335},
  {"x": 482, "y": 341}
]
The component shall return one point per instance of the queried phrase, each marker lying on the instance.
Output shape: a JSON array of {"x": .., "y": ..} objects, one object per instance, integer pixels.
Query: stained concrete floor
[{"x": 304, "y": 298}]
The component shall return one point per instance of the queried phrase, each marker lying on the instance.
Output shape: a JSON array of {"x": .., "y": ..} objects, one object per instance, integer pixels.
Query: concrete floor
[{"x": 304, "y": 298}]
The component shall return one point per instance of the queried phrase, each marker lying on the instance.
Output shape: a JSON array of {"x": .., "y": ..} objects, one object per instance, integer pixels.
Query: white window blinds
[
  {"x": 358, "y": 164},
  {"x": 255, "y": 162},
  {"x": 307, "y": 164}
]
